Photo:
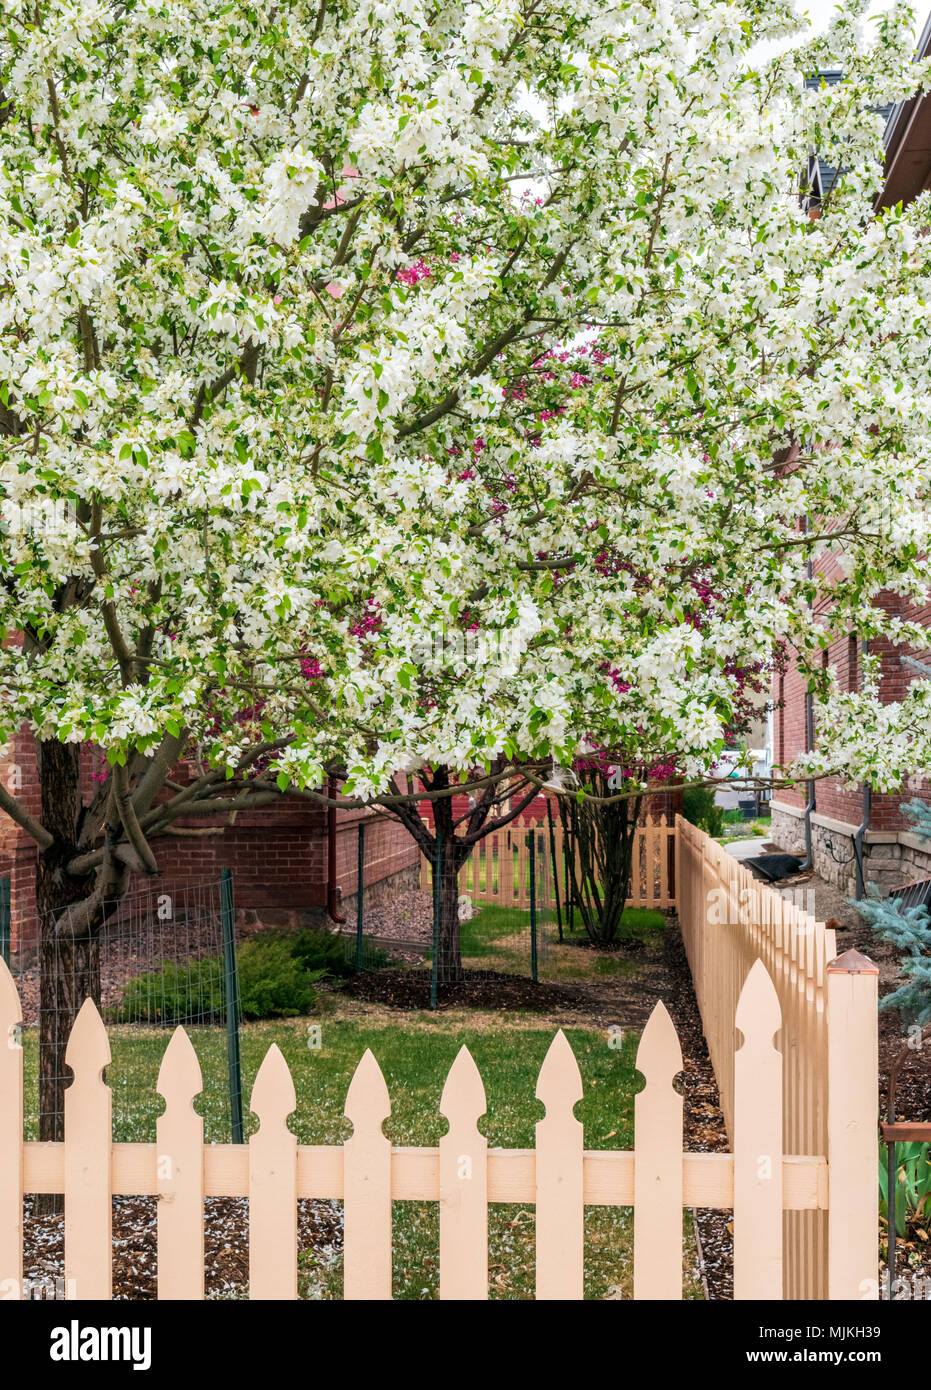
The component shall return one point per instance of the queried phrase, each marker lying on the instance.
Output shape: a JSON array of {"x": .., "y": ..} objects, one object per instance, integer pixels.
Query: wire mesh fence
[
  {"x": 502, "y": 929},
  {"x": 164, "y": 955},
  {"x": 517, "y": 917}
]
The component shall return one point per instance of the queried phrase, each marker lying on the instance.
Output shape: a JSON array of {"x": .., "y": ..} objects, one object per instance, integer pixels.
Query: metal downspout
[
  {"x": 864, "y": 825},
  {"x": 809, "y": 744},
  {"x": 332, "y": 891},
  {"x": 810, "y": 796},
  {"x": 861, "y": 830}
]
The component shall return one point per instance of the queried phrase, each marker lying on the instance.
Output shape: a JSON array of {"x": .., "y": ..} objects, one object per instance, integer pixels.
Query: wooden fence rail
[
  {"x": 498, "y": 869},
  {"x": 828, "y": 1046},
  {"x": 559, "y": 1176}
]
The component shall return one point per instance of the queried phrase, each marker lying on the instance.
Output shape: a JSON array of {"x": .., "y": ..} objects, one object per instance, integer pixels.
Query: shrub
[
  {"x": 275, "y": 981},
  {"x": 187, "y": 993},
  {"x": 319, "y": 949},
  {"x": 698, "y": 806}
]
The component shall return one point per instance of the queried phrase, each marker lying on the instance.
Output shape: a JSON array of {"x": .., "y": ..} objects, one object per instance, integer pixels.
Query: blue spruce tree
[{"x": 909, "y": 930}]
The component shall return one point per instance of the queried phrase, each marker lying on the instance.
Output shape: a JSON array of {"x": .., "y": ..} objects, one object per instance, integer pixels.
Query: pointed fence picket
[
  {"x": 463, "y": 1185},
  {"x": 759, "y": 1181},
  {"x": 658, "y": 1163},
  {"x": 273, "y": 1183},
  {"x": 758, "y": 1142},
  {"x": 559, "y": 1194},
  {"x": 367, "y": 1186},
  {"x": 87, "y": 1186},
  {"x": 179, "y": 1139}
]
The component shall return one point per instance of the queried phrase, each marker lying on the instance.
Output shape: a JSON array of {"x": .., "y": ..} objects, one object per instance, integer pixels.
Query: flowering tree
[{"x": 304, "y": 468}]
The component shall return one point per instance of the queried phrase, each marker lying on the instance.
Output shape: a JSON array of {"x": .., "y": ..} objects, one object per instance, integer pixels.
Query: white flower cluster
[{"x": 407, "y": 384}]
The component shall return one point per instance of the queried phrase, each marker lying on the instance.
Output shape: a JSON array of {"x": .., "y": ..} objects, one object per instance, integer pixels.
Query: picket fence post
[{"x": 853, "y": 1066}]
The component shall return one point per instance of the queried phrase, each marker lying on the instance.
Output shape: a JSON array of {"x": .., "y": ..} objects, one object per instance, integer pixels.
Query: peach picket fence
[
  {"x": 828, "y": 1043},
  {"x": 559, "y": 1176},
  {"x": 498, "y": 869}
]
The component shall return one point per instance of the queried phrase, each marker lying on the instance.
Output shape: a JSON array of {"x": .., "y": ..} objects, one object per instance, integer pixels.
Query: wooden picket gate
[
  {"x": 559, "y": 1176},
  {"x": 498, "y": 869}
]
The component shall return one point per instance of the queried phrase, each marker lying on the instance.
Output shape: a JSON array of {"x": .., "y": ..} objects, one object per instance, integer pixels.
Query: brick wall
[
  {"x": 839, "y": 807},
  {"x": 278, "y": 855},
  {"x": 663, "y": 801},
  {"x": 17, "y": 849}
]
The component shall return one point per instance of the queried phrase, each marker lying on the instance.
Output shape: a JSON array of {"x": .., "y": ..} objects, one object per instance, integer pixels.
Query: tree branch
[
  {"x": 499, "y": 821},
  {"x": 130, "y": 820},
  {"x": 24, "y": 820}
]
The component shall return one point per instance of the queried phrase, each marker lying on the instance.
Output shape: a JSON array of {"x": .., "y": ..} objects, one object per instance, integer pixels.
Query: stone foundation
[{"x": 890, "y": 858}]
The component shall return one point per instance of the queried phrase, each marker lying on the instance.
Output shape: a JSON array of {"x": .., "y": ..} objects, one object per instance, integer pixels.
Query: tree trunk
[
  {"x": 455, "y": 850},
  {"x": 69, "y": 974},
  {"x": 449, "y": 955},
  {"x": 601, "y": 841},
  {"x": 69, "y": 955}
]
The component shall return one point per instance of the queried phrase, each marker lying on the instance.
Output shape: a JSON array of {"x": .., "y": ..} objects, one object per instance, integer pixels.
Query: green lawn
[
  {"x": 498, "y": 938},
  {"x": 415, "y": 1056},
  {"x": 745, "y": 830}
]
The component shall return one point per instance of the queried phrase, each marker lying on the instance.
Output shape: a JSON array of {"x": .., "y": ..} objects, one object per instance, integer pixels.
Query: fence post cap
[{"x": 852, "y": 963}]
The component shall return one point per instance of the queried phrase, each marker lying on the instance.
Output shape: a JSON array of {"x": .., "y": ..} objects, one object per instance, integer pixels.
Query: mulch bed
[
  {"x": 703, "y": 1119},
  {"x": 135, "y": 1262},
  {"x": 487, "y": 989}
]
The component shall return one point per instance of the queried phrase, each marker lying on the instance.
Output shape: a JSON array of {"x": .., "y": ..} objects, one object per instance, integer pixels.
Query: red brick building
[
  {"x": 834, "y": 821},
  {"x": 280, "y": 856}
]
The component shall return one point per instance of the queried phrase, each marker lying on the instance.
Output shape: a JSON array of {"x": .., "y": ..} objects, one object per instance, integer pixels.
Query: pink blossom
[{"x": 413, "y": 274}]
